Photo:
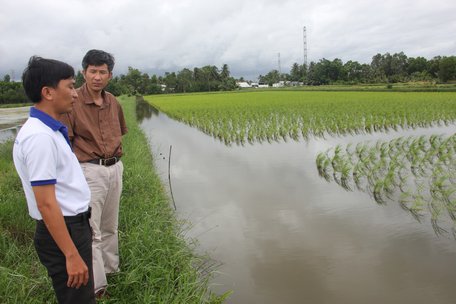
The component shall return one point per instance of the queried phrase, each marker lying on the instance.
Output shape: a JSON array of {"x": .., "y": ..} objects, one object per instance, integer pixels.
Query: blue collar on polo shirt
[{"x": 55, "y": 125}]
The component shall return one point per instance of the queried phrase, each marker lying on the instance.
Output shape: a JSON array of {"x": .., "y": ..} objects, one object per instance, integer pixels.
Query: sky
[{"x": 248, "y": 35}]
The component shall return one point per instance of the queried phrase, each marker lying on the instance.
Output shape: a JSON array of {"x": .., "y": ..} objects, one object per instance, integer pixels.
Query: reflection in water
[
  {"x": 417, "y": 172},
  {"x": 143, "y": 109},
  {"x": 284, "y": 235}
]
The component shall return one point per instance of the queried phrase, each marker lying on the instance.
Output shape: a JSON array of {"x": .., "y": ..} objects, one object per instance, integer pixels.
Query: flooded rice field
[{"x": 282, "y": 234}]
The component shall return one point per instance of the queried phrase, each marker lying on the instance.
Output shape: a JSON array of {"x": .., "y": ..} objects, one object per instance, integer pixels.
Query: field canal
[{"x": 283, "y": 234}]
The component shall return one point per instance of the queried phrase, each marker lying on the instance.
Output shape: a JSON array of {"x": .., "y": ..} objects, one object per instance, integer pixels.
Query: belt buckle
[{"x": 110, "y": 161}]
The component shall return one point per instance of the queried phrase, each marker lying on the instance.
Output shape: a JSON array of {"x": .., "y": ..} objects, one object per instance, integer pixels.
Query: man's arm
[
  {"x": 77, "y": 270},
  {"x": 123, "y": 124}
]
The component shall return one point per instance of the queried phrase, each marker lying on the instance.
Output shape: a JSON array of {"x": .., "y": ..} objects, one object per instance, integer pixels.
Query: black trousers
[{"x": 53, "y": 259}]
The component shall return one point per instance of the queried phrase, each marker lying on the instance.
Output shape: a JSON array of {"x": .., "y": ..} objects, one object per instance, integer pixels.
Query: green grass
[
  {"x": 22, "y": 277},
  {"x": 281, "y": 115},
  {"x": 157, "y": 264}
]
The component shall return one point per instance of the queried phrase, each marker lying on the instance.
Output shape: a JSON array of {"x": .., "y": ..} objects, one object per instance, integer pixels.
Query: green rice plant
[
  {"x": 418, "y": 172},
  {"x": 323, "y": 165},
  {"x": 282, "y": 115}
]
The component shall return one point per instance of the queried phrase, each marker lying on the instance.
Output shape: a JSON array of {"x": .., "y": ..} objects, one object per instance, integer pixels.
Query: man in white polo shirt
[{"x": 56, "y": 191}]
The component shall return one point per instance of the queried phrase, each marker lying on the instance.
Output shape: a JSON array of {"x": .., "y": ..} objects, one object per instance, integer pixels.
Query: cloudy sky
[{"x": 157, "y": 36}]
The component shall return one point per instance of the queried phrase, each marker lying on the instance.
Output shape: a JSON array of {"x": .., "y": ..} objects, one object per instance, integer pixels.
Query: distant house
[
  {"x": 279, "y": 84},
  {"x": 243, "y": 84},
  {"x": 263, "y": 85}
]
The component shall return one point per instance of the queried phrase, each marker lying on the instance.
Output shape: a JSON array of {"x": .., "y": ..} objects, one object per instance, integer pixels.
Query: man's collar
[
  {"x": 55, "y": 125},
  {"x": 88, "y": 99},
  {"x": 46, "y": 119}
]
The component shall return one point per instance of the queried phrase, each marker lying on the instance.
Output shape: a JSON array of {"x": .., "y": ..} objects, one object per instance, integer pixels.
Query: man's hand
[{"x": 78, "y": 273}]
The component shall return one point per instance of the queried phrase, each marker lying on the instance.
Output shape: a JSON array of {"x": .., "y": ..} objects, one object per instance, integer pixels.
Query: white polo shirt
[{"x": 42, "y": 155}]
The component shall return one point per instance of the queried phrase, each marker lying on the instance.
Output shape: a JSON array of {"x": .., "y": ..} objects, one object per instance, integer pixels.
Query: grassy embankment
[{"x": 157, "y": 265}]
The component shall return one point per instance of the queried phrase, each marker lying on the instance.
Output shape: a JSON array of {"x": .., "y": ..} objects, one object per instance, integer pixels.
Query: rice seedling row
[
  {"x": 418, "y": 172},
  {"x": 282, "y": 115}
]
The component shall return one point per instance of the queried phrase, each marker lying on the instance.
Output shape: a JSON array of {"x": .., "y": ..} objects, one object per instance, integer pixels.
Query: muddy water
[
  {"x": 10, "y": 119},
  {"x": 284, "y": 235}
]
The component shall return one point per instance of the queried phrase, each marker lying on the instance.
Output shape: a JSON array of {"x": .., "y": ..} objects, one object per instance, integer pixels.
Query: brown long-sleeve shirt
[{"x": 95, "y": 131}]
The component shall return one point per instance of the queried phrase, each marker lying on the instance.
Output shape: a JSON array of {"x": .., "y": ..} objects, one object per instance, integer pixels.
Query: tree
[
  {"x": 12, "y": 92},
  {"x": 184, "y": 81},
  {"x": 133, "y": 81},
  {"x": 433, "y": 66},
  {"x": 377, "y": 68},
  {"x": 447, "y": 68},
  {"x": 170, "y": 81},
  {"x": 418, "y": 64},
  {"x": 353, "y": 71},
  {"x": 270, "y": 78},
  {"x": 398, "y": 67},
  {"x": 6, "y": 78},
  {"x": 296, "y": 72},
  {"x": 225, "y": 73},
  {"x": 79, "y": 79}
]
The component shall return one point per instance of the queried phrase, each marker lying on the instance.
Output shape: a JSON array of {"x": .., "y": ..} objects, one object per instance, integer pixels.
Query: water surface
[
  {"x": 284, "y": 235},
  {"x": 10, "y": 121}
]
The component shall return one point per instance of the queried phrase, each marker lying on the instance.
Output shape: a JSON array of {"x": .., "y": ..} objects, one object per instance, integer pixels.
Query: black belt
[
  {"x": 104, "y": 161},
  {"x": 78, "y": 218}
]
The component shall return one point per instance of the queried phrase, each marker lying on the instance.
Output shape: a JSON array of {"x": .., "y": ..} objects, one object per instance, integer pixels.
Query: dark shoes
[{"x": 102, "y": 294}]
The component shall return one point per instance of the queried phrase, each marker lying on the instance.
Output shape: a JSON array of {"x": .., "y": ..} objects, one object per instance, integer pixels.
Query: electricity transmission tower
[
  {"x": 305, "y": 46},
  {"x": 280, "y": 67}
]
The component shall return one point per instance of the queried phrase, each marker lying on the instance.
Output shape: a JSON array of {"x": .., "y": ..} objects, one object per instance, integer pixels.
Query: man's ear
[
  {"x": 84, "y": 74},
  {"x": 46, "y": 93}
]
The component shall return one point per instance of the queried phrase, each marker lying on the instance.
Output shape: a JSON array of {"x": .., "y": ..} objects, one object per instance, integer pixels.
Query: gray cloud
[{"x": 157, "y": 36}]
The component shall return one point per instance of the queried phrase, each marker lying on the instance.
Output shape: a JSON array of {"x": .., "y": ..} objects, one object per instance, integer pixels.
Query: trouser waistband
[{"x": 78, "y": 218}]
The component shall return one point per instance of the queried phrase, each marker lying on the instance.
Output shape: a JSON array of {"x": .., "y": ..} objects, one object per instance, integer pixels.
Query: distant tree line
[
  {"x": 384, "y": 68},
  {"x": 206, "y": 79}
]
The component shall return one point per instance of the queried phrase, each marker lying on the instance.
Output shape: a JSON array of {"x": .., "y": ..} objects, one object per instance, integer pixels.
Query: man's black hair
[
  {"x": 41, "y": 72},
  {"x": 97, "y": 58}
]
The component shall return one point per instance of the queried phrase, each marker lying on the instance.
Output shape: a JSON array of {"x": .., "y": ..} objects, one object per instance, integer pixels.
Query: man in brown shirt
[{"x": 95, "y": 128}]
